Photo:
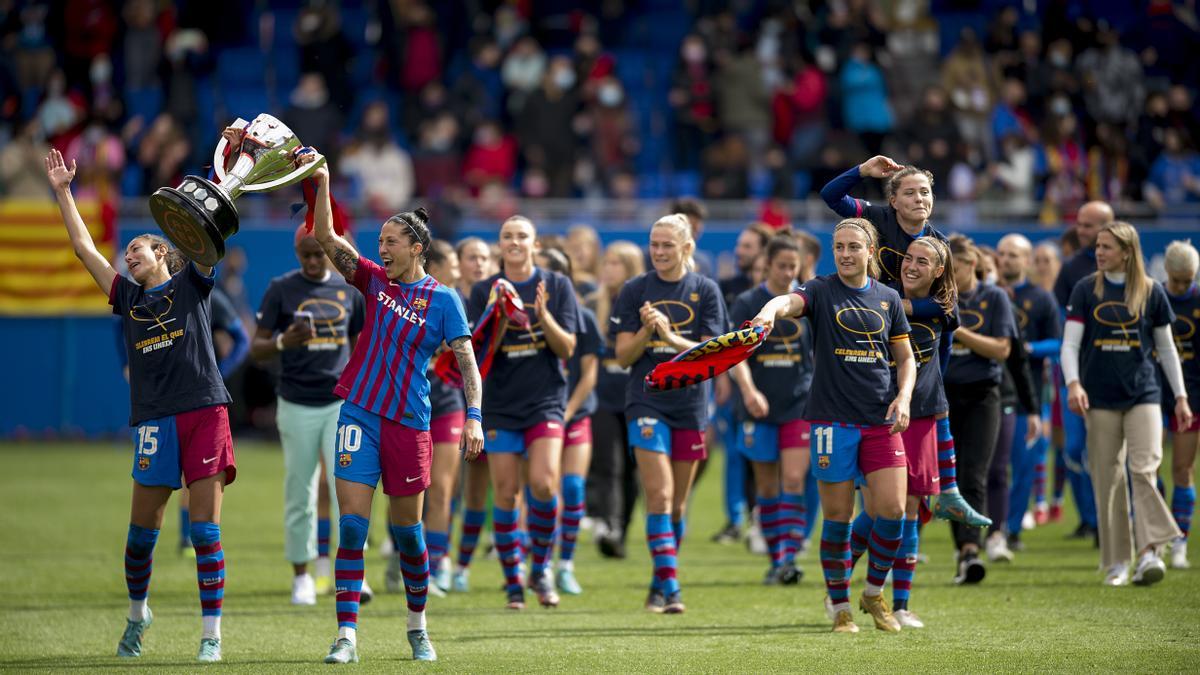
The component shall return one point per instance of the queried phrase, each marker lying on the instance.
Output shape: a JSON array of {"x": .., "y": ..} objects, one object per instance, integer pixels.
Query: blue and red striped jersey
[{"x": 405, "y": 324}]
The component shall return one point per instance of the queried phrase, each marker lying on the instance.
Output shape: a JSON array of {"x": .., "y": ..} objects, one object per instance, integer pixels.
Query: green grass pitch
[{"x": 62, "y": 598}]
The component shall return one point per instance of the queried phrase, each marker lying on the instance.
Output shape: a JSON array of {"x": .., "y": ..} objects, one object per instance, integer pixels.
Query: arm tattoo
[
  {"x": 345, "y": 260},
  {"x": 465, "y": 354}
]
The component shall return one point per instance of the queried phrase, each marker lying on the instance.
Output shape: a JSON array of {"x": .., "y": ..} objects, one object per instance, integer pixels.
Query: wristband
[
  {"x": 279, "y": 342},
  {"x": 474, "y": 414}
]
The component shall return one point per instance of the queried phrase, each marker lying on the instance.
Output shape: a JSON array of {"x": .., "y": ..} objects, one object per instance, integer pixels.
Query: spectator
[
  {"x": 325, "y": 49},
  {"x": 60, "y": 113},
  {"x": 101, "y": 159},
  {"x": 1108, "y": 165},
  {"x": 478, "y": 92},
  {"x": 1060, "y": 167},
  {"x": 545, "y": 127},
  {"x": 799, "y": 109},
  {"x": 432, "y": 101},
  {"x": 966, "y": 79},
  {"x": 1010, "y": 116},
  {"x": 591, "y": 65},
  {"x": 162, "y": 152},
  {"x": 1183, "y": 113},
  {"x": 1112, "y": 79},
  {"x": 726, "y": 167},
  {"x": 437, "y": 163},
  {"x": 522, "y": 73},
  {"x": 141, "y": 48},
  {"x": 491, "y": 158},
  {"x": 421, "y": 59},
  {"x": 314, "y": 118},
  {"x": 931, "y": 139},
  {"x": 866, "y": 110},
  {"x": 381, "y": 168},
  {"x": 743, "y": 101},
  {"x": 22, "y": 164},
  {"x": 33, "y": 56},
  {"x": 1175, "y": 176},
  {"x": 1013, "y": 174},
  {"x": 692, "y": 99},
  {"x": 614, "y": 139}
]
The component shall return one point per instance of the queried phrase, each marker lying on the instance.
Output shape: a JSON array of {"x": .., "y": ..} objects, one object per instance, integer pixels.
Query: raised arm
[
  {"x": 472, "y": 437},
  {"x": 339, "y": 250},
  {"x": 779, "y": 307},
  {"x": 60, "y": 178}
]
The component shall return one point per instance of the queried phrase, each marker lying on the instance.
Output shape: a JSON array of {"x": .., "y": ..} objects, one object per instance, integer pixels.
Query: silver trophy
[{"x": 199, "y": 215}]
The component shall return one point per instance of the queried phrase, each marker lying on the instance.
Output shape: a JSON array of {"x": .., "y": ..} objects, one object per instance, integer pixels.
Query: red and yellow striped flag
[{"x": 39, "y": 273}]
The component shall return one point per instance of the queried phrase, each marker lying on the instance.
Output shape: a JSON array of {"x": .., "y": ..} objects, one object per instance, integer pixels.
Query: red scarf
[
  {"x": 707, "y": 359},
  {"x": 503, "y": 302}
]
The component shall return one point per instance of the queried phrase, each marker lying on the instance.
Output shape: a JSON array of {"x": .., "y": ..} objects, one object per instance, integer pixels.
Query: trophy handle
[
  {"x": 300, "y": 173},
  {"x": 219, "y": 153}
]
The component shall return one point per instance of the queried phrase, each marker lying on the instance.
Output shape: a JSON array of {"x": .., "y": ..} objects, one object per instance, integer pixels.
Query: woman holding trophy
[{"x": 383, "y": 427}]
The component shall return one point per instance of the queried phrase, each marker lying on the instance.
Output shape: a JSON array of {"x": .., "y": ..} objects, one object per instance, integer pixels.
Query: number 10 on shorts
[{"x": 349, "y": 439}]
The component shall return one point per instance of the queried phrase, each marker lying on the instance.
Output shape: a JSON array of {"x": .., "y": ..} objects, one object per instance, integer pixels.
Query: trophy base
[{"x": 197, "y": 217}]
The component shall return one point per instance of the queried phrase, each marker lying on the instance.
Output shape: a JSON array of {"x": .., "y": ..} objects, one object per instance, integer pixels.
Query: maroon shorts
[
  {"x": 920, "y": 448},
  {"x": 447, "y": 428},
  {"x": 195, "y": 445},
  {"x": 579, "y": 433},
  {"x": 405, "y": 459},
  {"x": 795, "y": 435},
  {"x": 879, "y": 449},
  {"x": 1173, "y": 422}
]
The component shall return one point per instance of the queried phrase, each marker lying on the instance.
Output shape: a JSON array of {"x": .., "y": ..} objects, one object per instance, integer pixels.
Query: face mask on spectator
[
  {"x": 610, "y": 95},
  {"x": 564, "y": 78},
  {"x": 694, "y": 53}
]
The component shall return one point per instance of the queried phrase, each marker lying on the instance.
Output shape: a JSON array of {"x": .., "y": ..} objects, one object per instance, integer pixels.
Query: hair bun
[{"x": 422, "y": 215}]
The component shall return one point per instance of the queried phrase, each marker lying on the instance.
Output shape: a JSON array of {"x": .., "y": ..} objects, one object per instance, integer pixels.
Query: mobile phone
[{"x": 307, "y": 318}]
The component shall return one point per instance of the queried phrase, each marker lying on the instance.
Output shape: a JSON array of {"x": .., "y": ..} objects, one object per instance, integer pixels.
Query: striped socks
[
  {"x": 472, "y": 524},
  {"x": 791, "y": 525},
  {"x": 543, "y": 517},
  {"x": 504, "y": 522},
  {"x": 437, "y": 544},
  {"x": 322, "y": 537},
  {"x": 769, "y": 517},
  {"x": 573, "y": 509},
  {"x": 678, "y": 529},
  {"x": 885, "y": 539},
  {"x": 414, "y": 565},
  {"x": 660, "y": 537},
  {"x": 348, "y": 572},
  {"x": 210, "y": 575},
  {"x": 139, "y": 558},
  {"x": 905, "y": 566},
  {"x": 860, "y": 537},
  {"x": 835, "y": 563},
  {"x": 1183, "y": 503},
  {"x": 947, "y": 464}
]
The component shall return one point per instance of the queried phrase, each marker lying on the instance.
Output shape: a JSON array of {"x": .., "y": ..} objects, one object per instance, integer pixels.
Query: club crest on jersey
[
  {"x": 694, "y": 297},
  {"x": 341, "y": 295},
  {"x": 647, "y": 431},
  {"x": 491, "y": 434},
  {"x": 344, "y": 459},
  {"x": 983, "y": 305},
  {"x": 823, "y": 461},
  {"x": 883, "y": 304},
  {"x": 143, "y": 462},
  {"x": 420, "y": 303}
]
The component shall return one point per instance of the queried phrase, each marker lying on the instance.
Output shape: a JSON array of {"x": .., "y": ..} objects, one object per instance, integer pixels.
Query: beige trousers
[{"x": 1115, "y": 438}]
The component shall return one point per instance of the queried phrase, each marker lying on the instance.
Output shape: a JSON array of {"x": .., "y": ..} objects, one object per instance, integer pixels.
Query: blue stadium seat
[
  {"x": 144, "y": 102},
  {"x": 241, "y": 66},
  {"x": 686, "y": 183}
]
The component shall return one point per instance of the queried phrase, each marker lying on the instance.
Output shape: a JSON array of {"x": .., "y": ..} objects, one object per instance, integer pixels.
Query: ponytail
[{"x": 174, "y": 259}]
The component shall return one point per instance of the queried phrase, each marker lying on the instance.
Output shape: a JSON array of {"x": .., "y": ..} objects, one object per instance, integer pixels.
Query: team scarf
[
  {"x": 503, "y": 302},
  {"x": 707, "y": 359}
]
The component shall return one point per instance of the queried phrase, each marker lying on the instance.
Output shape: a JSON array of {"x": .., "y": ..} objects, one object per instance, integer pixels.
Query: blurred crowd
[{"x": 1043, "y": 105}]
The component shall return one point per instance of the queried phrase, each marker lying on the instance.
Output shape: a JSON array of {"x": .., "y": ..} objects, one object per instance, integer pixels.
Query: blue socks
[
  {"x": 572, "y": 513},
  {"x": 348, "y": 568},
  {"x": 414, "y": 563},
  {"x": 660, "y": 538},
  {"x": 210, "y": 574},
  {"x": 139, "y": 559}
]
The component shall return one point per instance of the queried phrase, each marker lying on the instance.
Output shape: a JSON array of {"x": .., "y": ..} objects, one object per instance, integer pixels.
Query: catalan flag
[{"x": 39, "y": 273}]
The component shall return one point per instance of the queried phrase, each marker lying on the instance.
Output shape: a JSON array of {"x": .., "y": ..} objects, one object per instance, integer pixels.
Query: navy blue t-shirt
[
  {"x": 1082, "y": 264},
  {"x": 696, "y": 311},
  {"x": 526, "y": 384},
  {"x": 612, "y": 380},
  {"x": 929, "y": 394},
  {"x": 1116, "y": 362},
  {"x": 443, "y": 398},
  {"x": 309, "y": 373},
  {"x": 1187, "y": 343},
  {"x": 587, "y": 342},
  {"x": 853, "y": 329},
  {"x": 987, "y": 311},
  {"x": 168, "y": 344},
  {"x": 782, "y": 368},
  {"x": 1037, "y": 317}
]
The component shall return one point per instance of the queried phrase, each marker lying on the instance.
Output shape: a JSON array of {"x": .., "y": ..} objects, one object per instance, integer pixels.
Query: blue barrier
[{"x": 64, "y": 376}]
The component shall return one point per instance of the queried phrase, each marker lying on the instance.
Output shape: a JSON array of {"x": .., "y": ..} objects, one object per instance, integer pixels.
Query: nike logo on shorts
[
  {"x": 412, "y": 480},
  {"x": 210, "y": 460},
  {"x": 698, "y": 446},
  {"x": 899, "y": 453}
]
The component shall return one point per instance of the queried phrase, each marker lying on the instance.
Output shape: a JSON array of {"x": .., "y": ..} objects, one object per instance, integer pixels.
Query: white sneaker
[
  {"x": 365, "y": 593},
  {"x": 1118, "y": 575},
  {"x": 755, "y": 541},
  {"x": 1150, "y": 569},
  {"x": 907, "y": 619},
  {"x": 1028, "y": 522},
  {"x": 997, "y": 548},
  {"x": 304, "y": 590},
  {"x": 1179, "y": 560}
]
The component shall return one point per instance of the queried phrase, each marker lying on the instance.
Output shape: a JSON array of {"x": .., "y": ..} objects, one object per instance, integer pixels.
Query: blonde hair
[
  {"x": 591, "y": 240},
  {"x": 1137, "y": 284},
  {"x": 1182, "y": 257},
  {"x": 682, "y": 228},
  {"x": 632, "y": 260},
  {"x": 863, "y": 225}
]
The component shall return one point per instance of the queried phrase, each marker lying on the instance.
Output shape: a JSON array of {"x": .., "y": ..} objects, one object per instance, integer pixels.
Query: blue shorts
[
  {"x": 195, "y": 444},
  {"x": 846, "y": 452},
  {"x": 653, "y": 434},
  {"x": 369, "y": 447},
  {"x": 517, "y": 441}
]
